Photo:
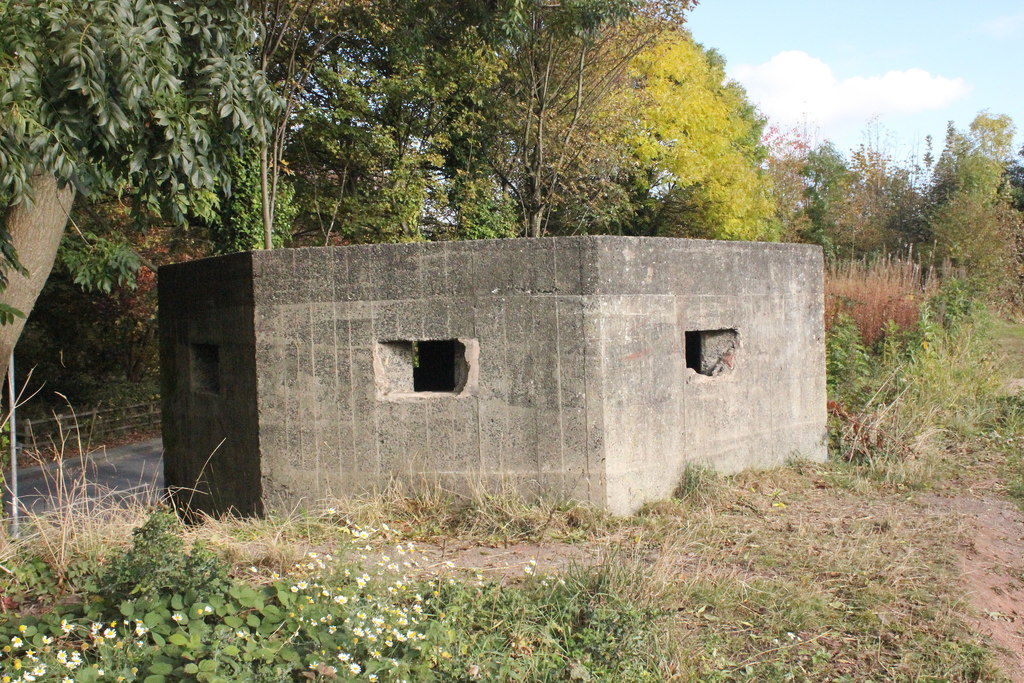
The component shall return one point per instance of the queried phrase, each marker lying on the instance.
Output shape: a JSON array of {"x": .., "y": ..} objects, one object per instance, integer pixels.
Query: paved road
[{"x": 132, "y": 472}]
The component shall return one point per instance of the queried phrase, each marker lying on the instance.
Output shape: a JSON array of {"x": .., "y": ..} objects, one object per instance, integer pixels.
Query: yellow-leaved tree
[{"x": 697, "y": 146}]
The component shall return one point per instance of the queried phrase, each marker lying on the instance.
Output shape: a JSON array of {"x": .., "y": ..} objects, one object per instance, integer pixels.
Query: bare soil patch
[
  {"x": 516, "y": 559},
  {"x": 991, "y": 562}
]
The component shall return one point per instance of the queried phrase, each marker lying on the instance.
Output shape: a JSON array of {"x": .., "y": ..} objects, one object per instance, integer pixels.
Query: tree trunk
[
  {"x": 536, "y": 228},
  {"x": 266, "y": 196},
  {"x": 36, "y": 231}
]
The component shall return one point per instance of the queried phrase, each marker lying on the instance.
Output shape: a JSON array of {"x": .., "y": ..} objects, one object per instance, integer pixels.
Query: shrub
[
  {"x": 148, "y": 619},
  {"x": 895, "y": 406},
  {"x": 157, "y": 565},
  {"x": 955, "y": 302},
  {"x": 846, "y": 358},
  {"x": 159, "y": 614}
]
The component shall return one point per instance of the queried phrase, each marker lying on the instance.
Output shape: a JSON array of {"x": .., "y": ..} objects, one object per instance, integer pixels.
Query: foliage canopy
[{"x": 108, "y": 93}]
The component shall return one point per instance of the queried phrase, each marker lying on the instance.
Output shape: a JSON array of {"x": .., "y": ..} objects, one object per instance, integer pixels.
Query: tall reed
[{"x": 876, "y": 291}]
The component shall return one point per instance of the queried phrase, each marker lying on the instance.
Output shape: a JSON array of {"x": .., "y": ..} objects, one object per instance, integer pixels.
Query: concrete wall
[
  {"x": 659, "y": 414},
  {"x": 570, "y": 376},
  {"x": 321, "y": 316},
  {"x": 208, "y": 384}
]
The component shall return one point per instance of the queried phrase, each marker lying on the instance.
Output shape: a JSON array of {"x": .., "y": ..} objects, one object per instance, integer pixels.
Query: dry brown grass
[
  {"x": 82, "y": 521},
  {"x": 790, "y": 575},
  {"x": 494, "y": 513},
  {"x": 87, "y": 525},
  {"x": 444, "y": 525},
  {"x": 878, "y": 291}
]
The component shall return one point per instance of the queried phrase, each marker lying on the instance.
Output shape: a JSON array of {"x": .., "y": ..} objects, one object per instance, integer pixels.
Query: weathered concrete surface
[
  {"x": 210, "y": 433},
  {"x": 563, "y": 370}
]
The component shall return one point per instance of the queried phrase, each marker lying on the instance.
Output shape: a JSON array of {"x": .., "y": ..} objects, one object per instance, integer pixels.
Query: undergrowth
[
  {"x": 792, "y": 575},
  {"x": 778, "y": 575},
  {"x": 899, "y": 405},
  {"x": 838, "y": 571},
  {"x": 167, "y": 608},
  {"x": 1007, "y": 434}
]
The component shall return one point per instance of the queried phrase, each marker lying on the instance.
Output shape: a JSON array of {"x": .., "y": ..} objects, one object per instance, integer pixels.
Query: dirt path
[
  {"x": 992, "y": 570},
  {"x": 992, "y": 558}
]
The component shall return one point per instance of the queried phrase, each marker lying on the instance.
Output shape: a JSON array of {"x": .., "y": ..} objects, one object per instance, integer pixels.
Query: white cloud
[
  {"x": 794, "y": 87},
  {"x": 1005, "y": 26}
]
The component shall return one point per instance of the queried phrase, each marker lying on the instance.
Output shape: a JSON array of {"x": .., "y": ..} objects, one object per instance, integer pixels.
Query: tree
[
  {"x": 566, "y": 74},
  {"x": 387, "y": 137},
  {"x": 826, "y": 196},
  {"x": 884, "y": 204},
  {"x": 107, "y": 94},
  {"x": 698, "y": 141},
  {"x": 1015, "y": 177},
  {"x": 866, "y": 231},
  {"x": 972, "y": 219},
  {"x": 788, "y": 152},
  {"x": 427, "y": 121},
  {"x": 974, "y": 162},
  {"x": 293, "y": 36}
]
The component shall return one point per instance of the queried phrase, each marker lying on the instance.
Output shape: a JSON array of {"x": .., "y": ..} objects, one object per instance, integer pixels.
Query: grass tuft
[{"x": 699, "y": 485}]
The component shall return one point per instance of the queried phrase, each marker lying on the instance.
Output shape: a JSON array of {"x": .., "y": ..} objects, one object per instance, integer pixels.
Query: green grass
[
  {"x": 1009, "y": 341},
  {"x": 1005, "y": 435},
  {"x": 845, "y": 571}
]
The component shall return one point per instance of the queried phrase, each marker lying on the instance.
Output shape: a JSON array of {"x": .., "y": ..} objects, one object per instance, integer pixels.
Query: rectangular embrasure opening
[
  {"x": 711, "y": 352},
  {"x": 205, "y": 368},
  {"x": 436, "y": 365},
  {"x": 423, "y": 366}
]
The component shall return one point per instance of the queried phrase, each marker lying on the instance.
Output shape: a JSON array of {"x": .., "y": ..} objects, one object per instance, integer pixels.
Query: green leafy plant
[
  {"x": 590, "y": 625},
  {"x": 157, "y": 613},
  {"x": 238, "y": 225},
  {"x": 28, "y": 582},
  {"x": 847, "y": 361},
  {"x": 156, "y": 565},
  {"x": 955, "y": 303},
  {"x": 97, "y": 264}
]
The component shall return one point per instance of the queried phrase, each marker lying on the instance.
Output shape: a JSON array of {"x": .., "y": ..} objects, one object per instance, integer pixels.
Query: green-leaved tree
[
  {"x": 972, "y": 219},
  {"x": 140, "y": 95},
  {"x": 697, "y": 142}
]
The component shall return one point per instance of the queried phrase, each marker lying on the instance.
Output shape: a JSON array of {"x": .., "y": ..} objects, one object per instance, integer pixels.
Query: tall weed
[
  {"x": 875, "y": 294},
  {"x": 902, "y": 390},
  {"x": 1007, "y": 434}
]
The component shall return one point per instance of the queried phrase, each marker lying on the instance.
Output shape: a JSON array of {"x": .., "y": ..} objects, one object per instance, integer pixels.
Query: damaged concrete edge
[
  {"x": 467, "y": 373},
  {"x": 719, "y": 354}
]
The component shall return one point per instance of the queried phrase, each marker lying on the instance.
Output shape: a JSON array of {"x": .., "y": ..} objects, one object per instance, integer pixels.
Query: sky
[{"x": 832, "y": 67}]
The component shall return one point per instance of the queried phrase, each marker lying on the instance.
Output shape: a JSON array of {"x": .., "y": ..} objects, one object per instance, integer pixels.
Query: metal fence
[{"x": 91, "y": 427}]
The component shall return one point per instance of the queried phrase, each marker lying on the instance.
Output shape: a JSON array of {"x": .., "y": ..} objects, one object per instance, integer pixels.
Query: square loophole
[
  {"x": 711, "y": 352},
  {"x": 423, "y": 367},
  {"x": 204, "y": 368}
]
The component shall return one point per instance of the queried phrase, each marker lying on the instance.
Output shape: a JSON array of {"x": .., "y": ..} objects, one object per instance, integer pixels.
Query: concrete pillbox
[{"x": 592, "y": 368}]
